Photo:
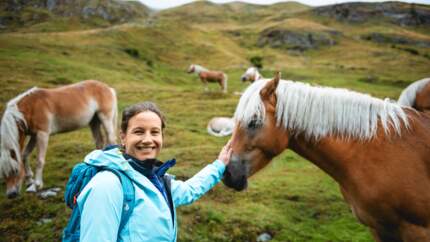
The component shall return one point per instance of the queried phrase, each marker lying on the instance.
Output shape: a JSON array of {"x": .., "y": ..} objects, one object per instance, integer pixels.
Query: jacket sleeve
[
  {"x": 100, "y": 203},
  {"x": 187, "y": 192}
]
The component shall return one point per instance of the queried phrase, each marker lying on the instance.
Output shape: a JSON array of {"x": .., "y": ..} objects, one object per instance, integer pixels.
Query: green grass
[{"x": 291, "y": 199}]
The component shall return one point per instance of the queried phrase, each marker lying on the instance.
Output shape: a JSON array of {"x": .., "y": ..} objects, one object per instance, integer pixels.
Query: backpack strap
[
  {"x": 129, "y": 196},
  {"x": 167, "y": 180}
]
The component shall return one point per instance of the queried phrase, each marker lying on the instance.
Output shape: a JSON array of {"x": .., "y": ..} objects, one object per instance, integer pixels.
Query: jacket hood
[{"x": 112, "y": 158}]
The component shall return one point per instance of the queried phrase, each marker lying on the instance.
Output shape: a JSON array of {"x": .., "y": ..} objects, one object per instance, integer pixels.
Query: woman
[{"x": 153, "y": 218}]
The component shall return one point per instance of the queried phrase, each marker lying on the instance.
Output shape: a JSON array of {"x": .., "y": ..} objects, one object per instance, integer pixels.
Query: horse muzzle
[
  {"x": 12, "y": 193},
  {"x": 235, "y": 175}
]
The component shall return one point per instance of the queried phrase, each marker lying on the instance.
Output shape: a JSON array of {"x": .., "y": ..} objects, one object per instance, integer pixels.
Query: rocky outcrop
[
  {"x": 399, "y": 13},
  {"x": 395, "y": 39},
  {"x": 111, "y": 11},
  {"x": 296, "y": 40}
]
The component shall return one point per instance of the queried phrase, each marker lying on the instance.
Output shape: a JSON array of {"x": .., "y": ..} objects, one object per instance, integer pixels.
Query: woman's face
[{"x": 143, "y": 138}]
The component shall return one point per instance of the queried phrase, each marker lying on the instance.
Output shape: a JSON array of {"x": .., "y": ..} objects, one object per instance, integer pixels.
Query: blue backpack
[{"x": 79, "y": 178}]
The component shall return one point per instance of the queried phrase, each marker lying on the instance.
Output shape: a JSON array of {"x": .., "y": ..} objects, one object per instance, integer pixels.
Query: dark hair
[{"x": 137, "y": 108}]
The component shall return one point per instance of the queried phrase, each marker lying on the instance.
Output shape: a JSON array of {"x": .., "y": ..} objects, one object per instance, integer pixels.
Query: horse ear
[{"x": 270, "y": 87}]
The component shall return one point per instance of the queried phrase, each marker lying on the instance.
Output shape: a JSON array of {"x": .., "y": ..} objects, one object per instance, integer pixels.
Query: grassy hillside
[{"x": 147, "y": 60}]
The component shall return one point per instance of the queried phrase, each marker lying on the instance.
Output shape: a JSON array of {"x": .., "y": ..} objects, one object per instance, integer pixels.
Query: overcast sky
[{"x": 162, "y": 4}]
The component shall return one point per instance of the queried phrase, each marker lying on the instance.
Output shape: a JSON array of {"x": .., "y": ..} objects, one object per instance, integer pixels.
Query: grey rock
[
  {"x": 382, "y": 38},
  {"x": 300, "y": 41},
  {"x": 264, "y": 237},
  {"x": 399, "y": 13}
]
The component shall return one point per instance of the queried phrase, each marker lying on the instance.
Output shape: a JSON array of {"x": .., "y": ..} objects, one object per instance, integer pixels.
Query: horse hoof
[{"x": 31, "y": 188}]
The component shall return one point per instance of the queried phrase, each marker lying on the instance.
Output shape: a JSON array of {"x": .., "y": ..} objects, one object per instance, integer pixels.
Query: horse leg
[
  {"x": 412, "y": 232},
  {"x": 108, "y": 126},
  {"x": 95, "y": 125},
  {"x": 42, "y": 146},
  {"x": 28, "y": 172},
  {"x": 205, "y": 83},
  {"x": 384, "y": 237}
]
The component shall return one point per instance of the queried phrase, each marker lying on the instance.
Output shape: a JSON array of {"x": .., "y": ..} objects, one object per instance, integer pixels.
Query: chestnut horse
[
  {"x": 251, "y": 75},
  {"x": 40, "y": 112},
  {"x": 417, "y": 95},
  {"x": 206, "y": 76},
  {"x": 377, "y": 151}
]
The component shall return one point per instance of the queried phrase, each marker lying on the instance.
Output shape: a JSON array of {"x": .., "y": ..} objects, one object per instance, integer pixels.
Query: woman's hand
[{"x": 225, "y": 153}]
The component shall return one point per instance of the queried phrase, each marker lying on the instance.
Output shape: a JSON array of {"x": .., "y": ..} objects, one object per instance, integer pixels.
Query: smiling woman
[{"x": 105, "y": 213}]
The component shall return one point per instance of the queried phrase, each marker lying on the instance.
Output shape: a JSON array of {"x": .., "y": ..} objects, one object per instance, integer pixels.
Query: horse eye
[
  {"x": 12, "y": 154},
  {"x": 253, "y": 124}
]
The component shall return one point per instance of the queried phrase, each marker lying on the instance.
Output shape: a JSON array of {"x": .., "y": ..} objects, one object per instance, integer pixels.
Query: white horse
[
  {"x": 417, "y": 95},
  {"x": 220, "y": 126},
  {"x": 251, "y": 75},
  {"x": 40, "y": 112}
]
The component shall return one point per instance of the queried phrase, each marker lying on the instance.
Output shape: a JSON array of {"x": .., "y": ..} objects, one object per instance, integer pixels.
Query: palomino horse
[
  {"x": 41, "y": 112},
  {"x": 376, "y": 150},
  {"x": 417, "y": 95},
  {"x": 251, "y": 75},
  {"x": 206, "y": 76},
  {"x": 220, "y": 126}
]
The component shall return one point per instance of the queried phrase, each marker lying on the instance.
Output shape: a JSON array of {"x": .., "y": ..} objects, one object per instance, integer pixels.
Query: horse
[
  {"x": 40, "y": 112},
  {"x": 376, "y": 150},
  {"x": 206, "y": 76},
  {"x": 417, "y": 95},
  {"x": 251, "y": 75},
  {"x": 220, "y": 126}
]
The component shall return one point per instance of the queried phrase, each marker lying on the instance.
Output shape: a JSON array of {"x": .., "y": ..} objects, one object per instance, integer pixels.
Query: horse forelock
[
  {"x": 322, "y": 111},
  {"x": 10, "y": 140},
  {"x": 407, "y": 97}
]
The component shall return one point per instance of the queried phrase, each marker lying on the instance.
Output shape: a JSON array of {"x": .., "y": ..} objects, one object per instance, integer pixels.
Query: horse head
[
  {"x": 191, "y": 68},
  {"x": 251, "y": 75},
  {"x": 12, "y": 142},
  {"x": 257, "y": 138}
]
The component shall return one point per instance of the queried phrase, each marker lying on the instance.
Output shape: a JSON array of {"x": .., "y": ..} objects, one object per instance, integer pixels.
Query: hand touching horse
[
  {"x": 41, "y": 112},
  {"x": 377, "y": 151}
]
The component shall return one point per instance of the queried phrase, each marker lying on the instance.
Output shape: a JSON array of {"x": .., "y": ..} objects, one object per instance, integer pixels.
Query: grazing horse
[
  {"x": 377, "y": 151},
  {"x": 206, "y": 76},
  {"x": 220, "y": 126},
  {"x": 251, "y": 75},
  {"x": 417, "y": 95},
  {"x": 41, "y": 112}
]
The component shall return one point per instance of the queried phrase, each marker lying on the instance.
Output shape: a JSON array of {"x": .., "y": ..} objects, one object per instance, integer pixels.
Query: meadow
[{"x": 146, "y": 59}]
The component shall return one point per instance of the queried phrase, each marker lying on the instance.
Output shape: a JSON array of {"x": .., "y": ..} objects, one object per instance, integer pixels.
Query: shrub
[{"x": 257, "y": 61}]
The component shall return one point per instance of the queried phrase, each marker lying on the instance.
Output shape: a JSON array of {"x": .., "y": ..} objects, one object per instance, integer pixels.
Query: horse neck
[
  {"x": 329, "y": 154},
  {"x": 198, "y": 69},
  {"x": 257, "y": 76}
]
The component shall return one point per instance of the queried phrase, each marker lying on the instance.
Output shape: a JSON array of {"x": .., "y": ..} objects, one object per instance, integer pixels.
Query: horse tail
[
  {"x": 114, "y": 110},
  {"x": 224, "y": 88}
]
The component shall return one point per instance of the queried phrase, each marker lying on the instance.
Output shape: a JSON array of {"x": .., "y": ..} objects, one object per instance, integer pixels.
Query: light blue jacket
[{"x": 101, "y": 201}]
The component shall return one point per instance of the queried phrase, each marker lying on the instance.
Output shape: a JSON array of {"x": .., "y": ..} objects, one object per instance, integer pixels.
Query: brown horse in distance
[
  {"x": 40, "y": 112},
  {"x": 377, "y": 151},
  {"x": 207, "y": 76},
  {"x": 417, "y": 95}
]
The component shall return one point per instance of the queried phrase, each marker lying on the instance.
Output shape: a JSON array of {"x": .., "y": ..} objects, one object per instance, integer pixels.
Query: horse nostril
[{"x": 12, "y": 195}]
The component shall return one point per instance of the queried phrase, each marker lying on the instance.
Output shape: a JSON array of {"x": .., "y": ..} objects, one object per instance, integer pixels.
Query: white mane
[
  {"x": 9, "y": 134},
  {"x": 198, "y": 68},
  {"x": 322, "y": 111},
  {"x": 407, "y": 97}
]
